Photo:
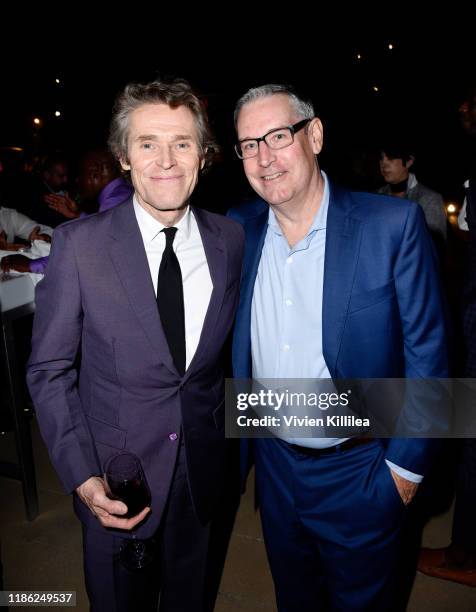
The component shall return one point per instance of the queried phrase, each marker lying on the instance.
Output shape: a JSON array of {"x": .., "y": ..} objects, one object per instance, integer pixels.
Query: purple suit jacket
[{"x": 101, "y": 374}]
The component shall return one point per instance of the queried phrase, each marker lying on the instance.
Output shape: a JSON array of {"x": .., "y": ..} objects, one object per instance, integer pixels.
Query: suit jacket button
[{"x": 173, "y": 436}]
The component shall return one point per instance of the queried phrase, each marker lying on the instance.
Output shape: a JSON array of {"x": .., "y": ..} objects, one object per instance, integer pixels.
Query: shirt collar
[
  {"x": 320, "y": 219},
  {"x": 150, "y": 228},
  {"x": 412, "y": 182},
  {"x": 110, "y": 188}
]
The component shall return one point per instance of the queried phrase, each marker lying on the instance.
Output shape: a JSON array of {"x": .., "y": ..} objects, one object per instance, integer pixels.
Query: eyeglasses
[{"x": 275, "y": 139}]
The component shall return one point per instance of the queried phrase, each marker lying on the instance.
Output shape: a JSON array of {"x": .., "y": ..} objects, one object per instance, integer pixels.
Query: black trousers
[
  {"x": 464, "y": 522},
  {"x": 175, "y": 582},
  {"x": 464, "y": 519}
]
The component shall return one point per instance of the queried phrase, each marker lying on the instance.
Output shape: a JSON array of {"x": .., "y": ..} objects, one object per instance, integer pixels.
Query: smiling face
[
  {"x": 164, "y": 158},
  {"x": 280, "y": 176}
]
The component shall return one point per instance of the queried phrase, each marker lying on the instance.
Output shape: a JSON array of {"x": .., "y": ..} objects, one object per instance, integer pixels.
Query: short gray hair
[
  {"x": 175, "y": 93},
  {"x": 303, "y": 108}
]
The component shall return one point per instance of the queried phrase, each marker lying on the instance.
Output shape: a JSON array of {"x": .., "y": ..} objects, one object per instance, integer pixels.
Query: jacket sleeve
[
  {"x": 437, "y": 221},
  {"x": 424, "y": 334},
  {"x": 53, "y": 366},
  {"x": 22, "y": 226}
]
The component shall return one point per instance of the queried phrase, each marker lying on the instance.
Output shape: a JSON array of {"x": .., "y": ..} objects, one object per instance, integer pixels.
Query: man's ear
[
  {"x": 316, "y": 135},
  {"x": 409, "y": 163},
  {"x": 124, "y": 164}
]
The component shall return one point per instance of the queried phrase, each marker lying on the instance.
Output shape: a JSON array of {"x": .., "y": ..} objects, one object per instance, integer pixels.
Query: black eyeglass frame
[{"x": 294, "y": 129}]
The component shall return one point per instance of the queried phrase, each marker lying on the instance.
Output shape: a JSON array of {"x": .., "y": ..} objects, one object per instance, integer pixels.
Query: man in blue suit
[{"x": 335, "y": 285}]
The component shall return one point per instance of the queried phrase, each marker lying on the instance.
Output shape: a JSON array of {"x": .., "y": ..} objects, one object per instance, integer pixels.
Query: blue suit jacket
[
  {"x": 101, "y": 374},
  {"x": 382, "y": 308}
]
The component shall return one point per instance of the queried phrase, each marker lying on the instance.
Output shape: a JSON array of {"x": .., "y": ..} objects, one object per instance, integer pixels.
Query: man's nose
[
  {"x": 265, "y": 155},
  {"x": 165, "y": 157}
]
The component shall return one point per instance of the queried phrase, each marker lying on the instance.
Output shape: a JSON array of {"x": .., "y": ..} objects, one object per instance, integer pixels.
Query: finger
[
  {"x": 109, "y": 505},
  {"x": 99, "y": 512},
  {"x": 121, "y": 523},
  {"x": 135, "y": 520}
]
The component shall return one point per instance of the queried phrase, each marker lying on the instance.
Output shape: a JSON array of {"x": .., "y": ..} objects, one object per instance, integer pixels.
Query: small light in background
[
  {"x": 359, "y": 57},
  {"x": 37, "y": 121},
  {"x": 451, "y": 208},
  {"x": 375, "y": 88},
  {"x": 57, "y": 81},
  {"x": 390, "y": 46},
  {"x": 57, "y": 114}
]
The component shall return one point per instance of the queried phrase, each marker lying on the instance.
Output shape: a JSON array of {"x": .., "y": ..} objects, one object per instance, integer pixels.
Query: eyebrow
[
  {"x": 147, "y": 137},
  {"x": 182, "y": 137},
  {"x": 143, "y": 137}
]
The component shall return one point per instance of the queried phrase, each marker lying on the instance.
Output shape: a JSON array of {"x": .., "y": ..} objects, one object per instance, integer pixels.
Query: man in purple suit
[{"x": 131, "y": 318}]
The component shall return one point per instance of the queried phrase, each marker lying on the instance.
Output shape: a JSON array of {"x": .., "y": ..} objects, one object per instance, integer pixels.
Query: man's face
[
  {"x": 57, "y": 177},
  {"x": 95, "y": 172},
  {"x": 393, "y": 170},
  {"x": 164, "y": 158},
  {"x": 280, "y": 175},
  {"x": 467, "y": 112}
]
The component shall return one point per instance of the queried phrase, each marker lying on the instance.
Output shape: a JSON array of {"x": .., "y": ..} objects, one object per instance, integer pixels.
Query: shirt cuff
[
  {"x": 411, "y": 476},
  {"x": 37, "y": 266}
]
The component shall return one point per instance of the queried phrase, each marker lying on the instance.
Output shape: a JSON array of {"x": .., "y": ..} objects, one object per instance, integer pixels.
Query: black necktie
[{"x": 170, "y": 301}]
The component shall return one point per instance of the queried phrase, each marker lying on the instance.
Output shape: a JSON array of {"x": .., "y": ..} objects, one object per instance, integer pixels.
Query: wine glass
[{"x": 126, "y": 482}]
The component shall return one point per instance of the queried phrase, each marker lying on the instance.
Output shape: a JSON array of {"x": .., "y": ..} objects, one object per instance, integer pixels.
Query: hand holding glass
[{"x": 126, "y": 482}]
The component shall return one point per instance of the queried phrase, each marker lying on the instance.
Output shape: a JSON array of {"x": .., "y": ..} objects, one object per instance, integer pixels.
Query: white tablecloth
[{"x": 39, "y": 248}]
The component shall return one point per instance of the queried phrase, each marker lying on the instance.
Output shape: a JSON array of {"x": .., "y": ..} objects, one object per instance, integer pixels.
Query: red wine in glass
[
  {"x": 126, "y": 482},
  {"x": 132, "y": 492}
]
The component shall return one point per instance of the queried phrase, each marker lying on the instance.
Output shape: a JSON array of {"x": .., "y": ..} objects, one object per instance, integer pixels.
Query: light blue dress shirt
[{"x": 286, "y": 311}]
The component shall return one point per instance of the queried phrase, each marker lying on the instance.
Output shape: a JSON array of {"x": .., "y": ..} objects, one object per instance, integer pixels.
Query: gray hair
[
  {"x": 303, "y": 108},
  {"x": 175, "y": 93}
]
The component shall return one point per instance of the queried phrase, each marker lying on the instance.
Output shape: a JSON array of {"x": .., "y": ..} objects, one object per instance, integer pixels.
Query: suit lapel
[
  {"x": 217, "y": 260},
  {"x": 343, "y": 236},
  {"x": 128, "y": 257},
  {"x": 255, "y": 233}
]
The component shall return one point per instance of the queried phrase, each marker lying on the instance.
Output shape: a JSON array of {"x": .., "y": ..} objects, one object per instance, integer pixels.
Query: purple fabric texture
[
  {"x": 117, "y": 191},
  {"x": 111, "y": 314}
]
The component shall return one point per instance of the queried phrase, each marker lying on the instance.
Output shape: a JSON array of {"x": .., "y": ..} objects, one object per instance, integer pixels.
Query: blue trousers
[{"x": 331, "y": 526}]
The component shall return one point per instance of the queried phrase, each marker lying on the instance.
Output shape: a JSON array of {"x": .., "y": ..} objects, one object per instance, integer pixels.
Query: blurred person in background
[
  {"x": 457, "y": 562},
  {"x": 395, "y": 163}
]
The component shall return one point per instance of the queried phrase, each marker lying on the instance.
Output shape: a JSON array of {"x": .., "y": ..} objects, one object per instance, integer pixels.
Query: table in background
[{"x": 17, "y": 299}]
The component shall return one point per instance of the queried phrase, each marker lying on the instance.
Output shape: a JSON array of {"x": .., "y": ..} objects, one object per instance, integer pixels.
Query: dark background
[{"x": 420, "y": 83}]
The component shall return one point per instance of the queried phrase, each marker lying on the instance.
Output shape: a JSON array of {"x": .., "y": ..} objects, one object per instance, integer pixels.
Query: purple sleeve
[{"x": 37, "y": 266}]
